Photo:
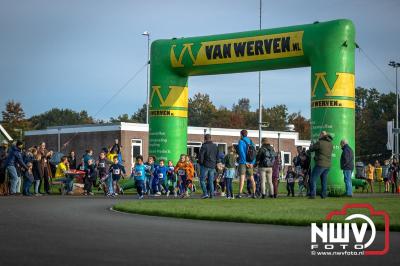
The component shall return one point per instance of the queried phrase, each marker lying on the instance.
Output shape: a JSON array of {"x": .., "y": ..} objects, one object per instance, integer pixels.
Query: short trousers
[{"x": 244, "y": 170}]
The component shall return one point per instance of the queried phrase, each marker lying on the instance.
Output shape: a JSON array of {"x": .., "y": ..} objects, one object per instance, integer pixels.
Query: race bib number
[
  {"x": 82, "y": 168},
  {"x": 138, "y": 173},
  {"x": 290, "y": 180},
  {"x": 102, "y": 165},
  {"x": 300, "y": 179},
  {"x": 160, "y": 176},
  {"x": 181, "y": 172},
  {"x": 116, "y": 171}
]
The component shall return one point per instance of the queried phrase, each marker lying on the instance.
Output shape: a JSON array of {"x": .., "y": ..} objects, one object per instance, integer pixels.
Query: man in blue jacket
[
  {"x": 247, "y": 159},
  {"x": 15, "y": 160},
  {"x": 347, "y": 165}
]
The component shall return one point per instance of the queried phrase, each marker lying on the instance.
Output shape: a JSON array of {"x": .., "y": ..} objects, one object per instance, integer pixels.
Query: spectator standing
[
  {"x": 323, "y": 159},
  {"x": 45, "y": 167},
  {"x": 386, "y": 175},
  {"x": 208, "y": 161},
  {"x": 276, "y": 169},
  {"x": 229, "y": 162},
  {"x": 395, "y": 175},
  {"x": 14, "y": 160},
  {"x": 72, "y": 160},
  {"x": 265, "y": 160},
  {"x": 347, "y": 166},
  {"x": 3, "y": 158},
  {"x": 370, "y": 177},
  {"x": 247, "y": 159}
]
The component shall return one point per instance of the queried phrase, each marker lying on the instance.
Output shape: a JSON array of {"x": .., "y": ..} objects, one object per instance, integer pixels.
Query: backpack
[
  {"x": 268, "y": 158},
  {"x": 250, "y": 152}
]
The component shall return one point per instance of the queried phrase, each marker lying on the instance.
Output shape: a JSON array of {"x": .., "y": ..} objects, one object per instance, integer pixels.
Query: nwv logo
[
  {"x": 177, "y": 97},
  {"x": 343, "y": 86}
]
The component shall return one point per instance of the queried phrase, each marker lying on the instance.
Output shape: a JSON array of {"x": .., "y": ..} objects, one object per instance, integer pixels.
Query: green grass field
[{"x": 282, "y": 211}]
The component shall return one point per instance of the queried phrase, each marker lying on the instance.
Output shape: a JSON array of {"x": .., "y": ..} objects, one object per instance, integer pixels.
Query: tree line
[{"x": 373, "y": 110}]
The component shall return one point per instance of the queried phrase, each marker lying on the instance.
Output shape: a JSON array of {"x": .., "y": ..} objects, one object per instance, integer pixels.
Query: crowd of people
[{"x": 34, "y": 171}]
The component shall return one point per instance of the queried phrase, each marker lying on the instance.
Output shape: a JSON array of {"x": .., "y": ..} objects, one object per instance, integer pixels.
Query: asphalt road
[{"x": 59, "y": 230}]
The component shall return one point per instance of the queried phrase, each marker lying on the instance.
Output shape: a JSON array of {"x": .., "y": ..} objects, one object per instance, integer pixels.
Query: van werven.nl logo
[{"x": 334, "y": 238}]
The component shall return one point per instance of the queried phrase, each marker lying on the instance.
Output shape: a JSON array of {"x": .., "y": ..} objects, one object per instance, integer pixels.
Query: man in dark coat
[
  {"x": 14, "y": 160},
  {"x": 208, "y": 161},
  {"x": 323, "y": 159},
  {"x": 347, "y": 165}
]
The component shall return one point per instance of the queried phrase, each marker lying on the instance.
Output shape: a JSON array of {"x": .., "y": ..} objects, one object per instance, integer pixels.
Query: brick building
[{"x": 134, "y": 139}]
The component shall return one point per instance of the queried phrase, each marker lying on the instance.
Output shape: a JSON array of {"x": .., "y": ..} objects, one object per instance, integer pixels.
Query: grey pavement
[{"x": 61, "y": 230}]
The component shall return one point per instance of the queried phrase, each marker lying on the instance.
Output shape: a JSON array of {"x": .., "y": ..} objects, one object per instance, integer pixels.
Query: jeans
[
  {"x": 290, "y": 189},
  {"x": 347, "y": 182},
  {"x": 139, "y": 187},
  {"x": 321, "y": 172},
  {"x": 15, "y": 180},
  {"x": 26, "y": 187},
  {"x": 110, "y": 185},
  {"x": 266, "y": 176},
  {"x": 229, "y": 189},
  {"x": 207, "y": 173},
  {"x": 37, "y": 184}
]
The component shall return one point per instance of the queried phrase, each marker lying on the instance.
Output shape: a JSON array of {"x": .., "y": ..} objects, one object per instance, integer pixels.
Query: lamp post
[
  {"x": 396, "y": 65},
  {"x": 146, "y": 33}
]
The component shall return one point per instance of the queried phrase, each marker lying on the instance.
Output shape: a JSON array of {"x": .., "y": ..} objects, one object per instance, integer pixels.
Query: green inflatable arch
[{"x": 327, "y": 47}]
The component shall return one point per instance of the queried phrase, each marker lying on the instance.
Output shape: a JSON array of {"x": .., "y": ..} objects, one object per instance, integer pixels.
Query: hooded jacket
[
  {"x": 323, "y": 151},
  {"x": 15, "y": 158}
]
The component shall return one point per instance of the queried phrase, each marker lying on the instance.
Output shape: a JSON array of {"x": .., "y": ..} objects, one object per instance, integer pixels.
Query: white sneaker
[
  {"x": 115, "y": 194},
  {"x": 141, "y": 197},
  {"x": 223, "y": 194},
  {"x": 168, "y": 194},
  {"x": 158, "y": 193}
]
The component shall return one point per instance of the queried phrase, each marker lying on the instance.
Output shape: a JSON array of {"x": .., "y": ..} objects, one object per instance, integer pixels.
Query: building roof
[{"x": 145, "y": 128}]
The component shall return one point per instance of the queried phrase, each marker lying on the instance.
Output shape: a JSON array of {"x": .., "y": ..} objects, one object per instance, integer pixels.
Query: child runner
[
  {"x": 149, "y": 174},
  {"x": 290, "y": 175},
  {"x": 139, "y": 172},
  {"x": 102, "y": 171},
  {"x": 190, "y": 174},
  {"x": 117, "y": 171},
  {"x": 180, "y": 169},
  {"x": 171, "y": 179},
  {"x": 160, "y": 174},
  {"x": 90, "y": 177}
]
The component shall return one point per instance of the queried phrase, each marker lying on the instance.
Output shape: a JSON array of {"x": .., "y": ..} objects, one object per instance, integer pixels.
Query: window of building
[
  {"x": 222, "y": 147},
  {"x": 286, "y": 158},
  {"x": 136, "y": 149},
  {"x": 193, "y": 148}
]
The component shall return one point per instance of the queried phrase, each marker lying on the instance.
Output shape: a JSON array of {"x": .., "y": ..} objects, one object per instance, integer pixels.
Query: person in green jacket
[{"x": 323, "y": 159}]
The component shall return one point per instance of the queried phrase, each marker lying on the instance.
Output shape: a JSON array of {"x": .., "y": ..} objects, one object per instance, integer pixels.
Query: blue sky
[{"x": 77, "y": 54}]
